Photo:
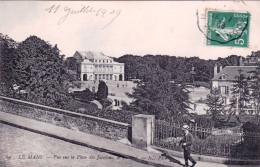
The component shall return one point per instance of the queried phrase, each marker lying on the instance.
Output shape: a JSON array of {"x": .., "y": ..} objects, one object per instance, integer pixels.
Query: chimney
[
  {"x": 241, "y": 63},
  {"x": 215, "y": 70},
  {"x": 220, "y": 68}
]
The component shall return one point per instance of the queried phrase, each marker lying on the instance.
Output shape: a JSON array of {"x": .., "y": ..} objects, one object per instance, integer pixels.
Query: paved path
[
  {"x": 97, "y": 103},
  {"x": 88, "y": 140},
  {"x": 95, "y": 142},
  {"x": 31, "y": 149}
]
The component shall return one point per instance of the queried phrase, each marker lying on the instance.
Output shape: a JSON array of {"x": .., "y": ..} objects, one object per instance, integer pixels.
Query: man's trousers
[{"x": 188, "y": 157}]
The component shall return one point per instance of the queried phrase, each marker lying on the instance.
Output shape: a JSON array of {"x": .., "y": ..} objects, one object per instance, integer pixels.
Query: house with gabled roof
[
  {"x": 224, "y": 78},
  {"x": 97, "y": 66}
]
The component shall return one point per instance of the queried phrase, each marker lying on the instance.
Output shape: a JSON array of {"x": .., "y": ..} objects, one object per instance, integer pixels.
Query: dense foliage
[
  {"x": 33, "y": 70},
  {"x": 136, "y": 67},
  {"x": 216, "y": 105},
  {"x": 157, "y": 95},
  {"x": 8, "y": 58},
  {"x": 240, "y": 93},
  {"x": 246, "y": 89},
  {"x": 254, "y": 86},
  {"x": 71, "y": 63},
  {"x": 41, "y": 73},
  {"x": 102, "y": 92},
  {"x": 83, "y": 96},
  {"x": 250, "y": 146}
]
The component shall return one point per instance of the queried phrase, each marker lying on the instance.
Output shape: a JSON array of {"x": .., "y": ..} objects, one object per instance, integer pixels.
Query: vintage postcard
[{"x": 129, "y": 83}]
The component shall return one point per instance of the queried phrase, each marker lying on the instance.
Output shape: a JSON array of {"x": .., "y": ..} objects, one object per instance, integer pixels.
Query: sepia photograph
[{"x": 130, "y": 83}]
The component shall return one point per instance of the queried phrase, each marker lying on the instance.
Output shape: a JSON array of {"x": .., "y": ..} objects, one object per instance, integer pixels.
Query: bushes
[
  {"x": 249, "y": 148},
  {"x": 105, "y": 103},
  {"x": 116, "y": 115},
  {"x": 251, "y": 127},
  {"x": 222, "y": 122},
  {"x": 67, "y": 120},
  {"x": 75, "y": 105},
  {"x": 102, "y": 90},
  {"x": 225, "y": 144},
  {"x": 204, "y": 121},
  {"x": 218, "y": 145},
  {"x": 83, "y": 96}
]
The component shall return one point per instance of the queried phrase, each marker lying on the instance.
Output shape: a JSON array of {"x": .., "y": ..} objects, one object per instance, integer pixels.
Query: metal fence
[{"x": 229, "y": 143}]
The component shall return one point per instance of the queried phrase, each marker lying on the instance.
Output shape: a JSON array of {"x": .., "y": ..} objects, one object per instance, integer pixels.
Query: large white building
[{"x": 97, "y": 66}]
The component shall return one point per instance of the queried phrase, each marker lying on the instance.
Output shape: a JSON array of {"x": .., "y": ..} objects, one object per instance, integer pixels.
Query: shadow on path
[{"x": 172, "y": 159}]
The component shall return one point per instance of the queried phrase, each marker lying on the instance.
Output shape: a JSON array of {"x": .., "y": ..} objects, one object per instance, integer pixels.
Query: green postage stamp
[{"x": 227, "y": 28}]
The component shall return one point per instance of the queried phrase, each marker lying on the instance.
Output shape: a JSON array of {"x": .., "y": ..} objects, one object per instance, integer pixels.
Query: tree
[
  {"x": 102, "y": 92},
  {"x": 84, "y": 96},
  {"x": 254, "y": 85},
  {"x": 215, "y": 103},
  {"x": 240, "y": 93},
  {"x": 41, "y": 73},
  {"x": 157, "y": 95},
  {"x": 179, "y": 67},
  {"x": 71, "y": 63},
  {"x": 8, "y": 56},
  {"x": 232, "y": 60}
]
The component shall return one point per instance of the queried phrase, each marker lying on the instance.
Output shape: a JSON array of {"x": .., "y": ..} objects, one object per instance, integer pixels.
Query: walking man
[{"x": 186, "y": 143}]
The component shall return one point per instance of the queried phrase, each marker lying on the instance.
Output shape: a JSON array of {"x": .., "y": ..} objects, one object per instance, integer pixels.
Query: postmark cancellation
[{"x": 228, "y": 28}]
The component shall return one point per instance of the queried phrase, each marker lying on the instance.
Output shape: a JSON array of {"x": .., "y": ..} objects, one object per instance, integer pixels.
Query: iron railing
[{"x": 229, "y": 143}]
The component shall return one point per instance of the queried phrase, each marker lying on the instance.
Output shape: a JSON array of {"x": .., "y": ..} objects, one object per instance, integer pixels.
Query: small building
[
  {"x": 92, "y": 66},
  {"x": 224, "y": 78}
]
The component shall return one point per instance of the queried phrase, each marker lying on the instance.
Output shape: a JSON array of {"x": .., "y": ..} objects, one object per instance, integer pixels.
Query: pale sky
[{"x": 138, "y": 28}]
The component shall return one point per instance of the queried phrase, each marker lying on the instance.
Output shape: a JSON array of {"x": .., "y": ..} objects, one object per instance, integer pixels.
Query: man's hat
[{"x": 185, "y": 127}]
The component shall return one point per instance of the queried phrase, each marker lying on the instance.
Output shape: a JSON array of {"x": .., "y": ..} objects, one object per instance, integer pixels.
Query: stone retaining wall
[{"x": 94, "y": 125}]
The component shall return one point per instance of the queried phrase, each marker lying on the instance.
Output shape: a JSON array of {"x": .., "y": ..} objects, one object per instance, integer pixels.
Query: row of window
[
  {"x": 103, "y": 68},
  {"x": 99, "y": 66},
  {"x": 107, "y": 77},
  {"x": 103, "y": 61},
  {"x": 224, "y": 77},
  {"x": 224, "y": 89},
  {"x": 100, "y": 76},
  {"x": 103, "y": 76}
]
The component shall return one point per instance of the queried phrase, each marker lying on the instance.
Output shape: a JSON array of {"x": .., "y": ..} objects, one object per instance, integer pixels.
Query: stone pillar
[
  {"x": 142, "y": 130},
  {"x": 81, "y": 77}
]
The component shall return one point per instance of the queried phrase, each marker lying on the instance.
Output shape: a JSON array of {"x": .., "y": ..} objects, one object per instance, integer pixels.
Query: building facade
[
  {"x": 93, "y": 66},
  {"x": 224, "y": 79}
]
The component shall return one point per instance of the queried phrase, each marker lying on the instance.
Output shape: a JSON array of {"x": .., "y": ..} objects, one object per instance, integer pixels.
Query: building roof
[
  {"x": 232, "y": 71},
  {"x": 116, "y": 63},
  {"x": 86, "y": 61},
  {"x": 93, "y": 55}
]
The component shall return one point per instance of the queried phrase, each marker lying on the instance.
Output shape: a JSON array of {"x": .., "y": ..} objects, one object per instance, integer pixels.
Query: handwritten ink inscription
[{"x": 98, "y": 12}]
